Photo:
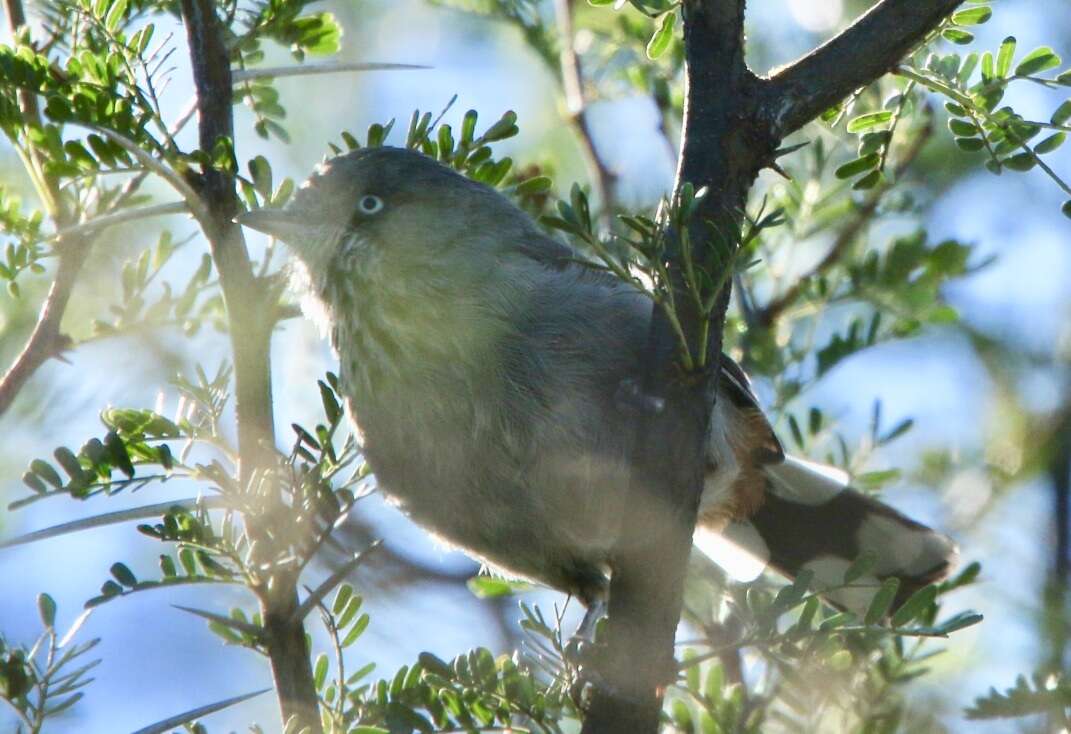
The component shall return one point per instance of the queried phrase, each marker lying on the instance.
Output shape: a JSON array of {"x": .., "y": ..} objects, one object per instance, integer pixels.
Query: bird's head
[{"x": 390, "y": 213}]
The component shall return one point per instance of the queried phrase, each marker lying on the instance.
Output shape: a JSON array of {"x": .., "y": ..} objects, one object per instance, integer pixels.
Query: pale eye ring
[{"x": 370, "y": 204}]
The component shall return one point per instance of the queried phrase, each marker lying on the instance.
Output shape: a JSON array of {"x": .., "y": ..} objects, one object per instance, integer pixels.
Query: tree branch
[
  {"x": 863, "y": 52},
  {"x": 864, "y": 214},
  {"x": 718, "y": 151},
  {"x": 45, "y": 340},
  {"x": 250, "y": 325},
  {"x": 576, "y": 103}
]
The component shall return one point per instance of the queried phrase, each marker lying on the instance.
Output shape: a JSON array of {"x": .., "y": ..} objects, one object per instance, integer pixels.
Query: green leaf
[
  {"x": 1040, "y": 59},
  {"x": 883, "y": 599},
  {"x": 861, "y": 566},
  {"x": 662, "y": 37},
  {"x": 44, "y": 470},
  {"x": 260, "y": 172},
  {"x": 34, "y": 482},
  {"x": 331, "y": 407},
  {"x": 853, "y": 168},
  {"x": 1020, "y": 162},
  {"x": 1062, "y": 113},
  {"x": 123, "y": 574},
  {"x": 972, "y": 16},
  {"x": 957, "y": 36},
  {"x": 962, "y": 127},
  {"x": 357, "y": 630},
  {"x": 492, "y": 587},
  {"x": 868, "y": 181},
  {"x": 869, "y": 120},
  {"x": 535, "y": 185},
  {"x": 960, "y": 621},
  {"x": 319, "y": 671},
  {"x": 916, "y": 605},
  {"x": 1005, "y": 56},
  {"x": 46, "y": 608},
  {"x": 1066, "y": 208},
  {"x": 115, "y": 16},
  {"x": 876, "y": 479},
  {"x": 118, "y": 454},
  {"x": 1050, "y": 143},
  {"x": 971, "y": 145},
  {"x": 401, "y": 718},
  {"x": 506, "y": 127}
]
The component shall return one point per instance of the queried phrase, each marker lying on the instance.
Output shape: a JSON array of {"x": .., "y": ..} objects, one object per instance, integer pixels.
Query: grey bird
[{"x": 483, "y": 364}]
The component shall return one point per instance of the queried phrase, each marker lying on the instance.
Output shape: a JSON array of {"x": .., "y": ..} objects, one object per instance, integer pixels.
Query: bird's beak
[{"x": 280, "y": 223}]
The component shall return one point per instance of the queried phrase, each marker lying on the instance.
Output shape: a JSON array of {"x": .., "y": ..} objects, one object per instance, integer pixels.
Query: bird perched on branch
[{"x": 483, "y": 365}]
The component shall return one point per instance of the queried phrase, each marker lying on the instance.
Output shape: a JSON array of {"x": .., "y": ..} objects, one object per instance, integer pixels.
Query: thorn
[
  {"x": 782, "y": 152},
  {"x": 778, "y": 170}
]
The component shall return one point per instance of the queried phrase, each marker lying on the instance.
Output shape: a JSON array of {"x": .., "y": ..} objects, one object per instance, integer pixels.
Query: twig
[
  {"x": 120, "y": 217},
  {"x": 765, "y": 317},
  {"x": 147, "y": 161},
  {"x": 576, "y": 103},
  {"x": 45, "y": 341},
  {"x": 317, "y": 595}
]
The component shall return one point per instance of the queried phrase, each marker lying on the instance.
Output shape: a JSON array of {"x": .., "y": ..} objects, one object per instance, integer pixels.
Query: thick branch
[
  {"x": 733, "y": 123},
  {"x": 668, "y": 458},
  {"x": 865, "y": 51},
  {"x": 250, "y": 325}
]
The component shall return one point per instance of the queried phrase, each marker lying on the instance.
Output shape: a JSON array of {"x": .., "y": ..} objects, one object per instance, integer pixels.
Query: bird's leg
[{"x": 585, "y": 631}]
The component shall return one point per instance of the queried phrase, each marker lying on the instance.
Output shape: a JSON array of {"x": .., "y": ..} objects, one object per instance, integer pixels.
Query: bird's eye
[{"x": 369, "y": 204}]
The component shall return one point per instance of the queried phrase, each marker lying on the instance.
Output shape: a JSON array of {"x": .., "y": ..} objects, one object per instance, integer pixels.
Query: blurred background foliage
[{"x": 903, "y": 310}]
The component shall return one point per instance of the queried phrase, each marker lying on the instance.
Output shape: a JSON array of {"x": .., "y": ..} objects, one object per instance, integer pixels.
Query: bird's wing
[
  {"x": 547, "y": 251},
  {"x": 734, "y": 383}
]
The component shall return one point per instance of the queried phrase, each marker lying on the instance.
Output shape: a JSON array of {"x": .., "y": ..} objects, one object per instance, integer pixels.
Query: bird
[{"x": 482, "y": 363}]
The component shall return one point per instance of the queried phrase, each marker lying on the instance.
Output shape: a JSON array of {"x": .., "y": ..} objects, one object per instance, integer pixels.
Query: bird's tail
[{"x": 811, "y": 519}]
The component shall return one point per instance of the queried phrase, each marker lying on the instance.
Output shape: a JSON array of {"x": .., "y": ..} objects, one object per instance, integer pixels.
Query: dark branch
[
  {"x": 865, "y": 51},
  {"x": 250, "y": 329},
  {"x": 251, "y": 319},
  {"x": 718, "y": 151}
]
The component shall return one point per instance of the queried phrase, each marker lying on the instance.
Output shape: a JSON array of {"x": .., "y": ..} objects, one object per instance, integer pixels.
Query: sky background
[{"x": 158, "y": 661}]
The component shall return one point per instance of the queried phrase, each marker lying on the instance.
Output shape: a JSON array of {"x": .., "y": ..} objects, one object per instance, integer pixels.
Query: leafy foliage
[
  {"x": 46, "y": 679},
  {"x": 1049, "y": 694},
  {"x": 99, "y": 83}
]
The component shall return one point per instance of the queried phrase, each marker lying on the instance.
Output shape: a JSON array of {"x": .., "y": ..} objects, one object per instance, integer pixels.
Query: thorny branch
[
  {"x": 250, "y": 326},
  {"x": 733, "y": 124},
  {"x": 863, "y": 52}
]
